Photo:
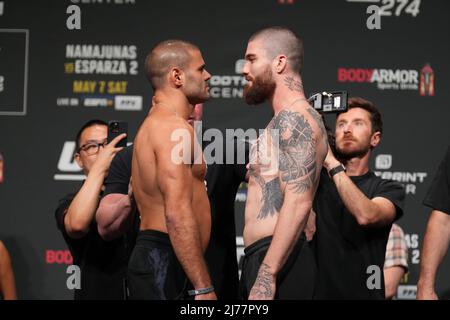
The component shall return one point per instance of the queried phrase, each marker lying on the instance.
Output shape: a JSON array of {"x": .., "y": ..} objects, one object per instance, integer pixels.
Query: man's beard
[
  {"x": 345, "y": 155},
  {"x": 262, "y": 88}
]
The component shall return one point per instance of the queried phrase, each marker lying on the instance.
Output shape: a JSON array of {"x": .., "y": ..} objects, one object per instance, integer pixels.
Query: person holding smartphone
[{"x": 101, "y": 263}]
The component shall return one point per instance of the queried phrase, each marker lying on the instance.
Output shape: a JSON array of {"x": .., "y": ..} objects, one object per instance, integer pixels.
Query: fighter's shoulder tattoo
[
  {"x": 318, "y": 118},
  {"x": 296, "y": 160},
  {"x": 297, "y": 156}
]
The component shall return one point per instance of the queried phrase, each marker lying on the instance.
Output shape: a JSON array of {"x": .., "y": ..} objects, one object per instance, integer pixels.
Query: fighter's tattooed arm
[
  {"x": 264, "y": 286},
  {"x": 300, "y": 159},
  {"x": 318, "y": 118}
]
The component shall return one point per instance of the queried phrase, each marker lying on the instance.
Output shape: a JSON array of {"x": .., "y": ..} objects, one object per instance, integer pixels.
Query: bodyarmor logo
[
  {"x": 58, "y": 257},
  {"x": 427, "y": 81},
  {"x": 391, "y": 79}
]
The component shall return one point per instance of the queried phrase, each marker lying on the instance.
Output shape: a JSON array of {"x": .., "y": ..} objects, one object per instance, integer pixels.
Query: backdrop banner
[{"x": 64, "y": 62}]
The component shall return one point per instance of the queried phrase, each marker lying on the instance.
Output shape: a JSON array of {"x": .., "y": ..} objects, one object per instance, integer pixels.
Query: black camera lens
[{"x": 115, "y": 127}]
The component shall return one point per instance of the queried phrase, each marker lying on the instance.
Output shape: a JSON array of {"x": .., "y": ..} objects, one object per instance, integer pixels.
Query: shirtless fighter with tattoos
[{"x": 285, "y": 165}]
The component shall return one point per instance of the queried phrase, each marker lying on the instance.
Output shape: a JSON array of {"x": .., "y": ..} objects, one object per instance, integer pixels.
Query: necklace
[{"x": 168, "y": 107}]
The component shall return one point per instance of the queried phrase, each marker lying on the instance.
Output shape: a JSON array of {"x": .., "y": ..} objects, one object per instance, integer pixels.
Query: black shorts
[
  {"x": 296, "y": 279},
  {"x": 154, "y": 272}
]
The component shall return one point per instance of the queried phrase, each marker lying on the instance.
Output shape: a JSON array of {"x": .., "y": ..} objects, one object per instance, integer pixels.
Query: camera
[
  {"x": 329, "y": 102},
  {"x": 116, "y": 128}
]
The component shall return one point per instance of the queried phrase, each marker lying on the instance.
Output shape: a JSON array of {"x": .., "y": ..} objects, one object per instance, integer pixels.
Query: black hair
[{"x": 90, "y": 123}]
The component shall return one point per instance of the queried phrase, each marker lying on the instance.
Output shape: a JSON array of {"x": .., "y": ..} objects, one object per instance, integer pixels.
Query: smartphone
[{"x": 116, "y": 128}]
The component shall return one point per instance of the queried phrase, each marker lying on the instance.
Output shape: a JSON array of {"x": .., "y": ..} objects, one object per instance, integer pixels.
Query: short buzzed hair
[
  {"x": 281, "y": 40},
  {"x": 164, "y": 56}
]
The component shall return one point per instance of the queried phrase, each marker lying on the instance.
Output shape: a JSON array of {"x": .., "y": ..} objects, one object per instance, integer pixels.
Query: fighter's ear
[
  {"x": 375, "y": 139},
  {"x": 280, "y": 63},
  {"x": 176, "y": 76}
]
